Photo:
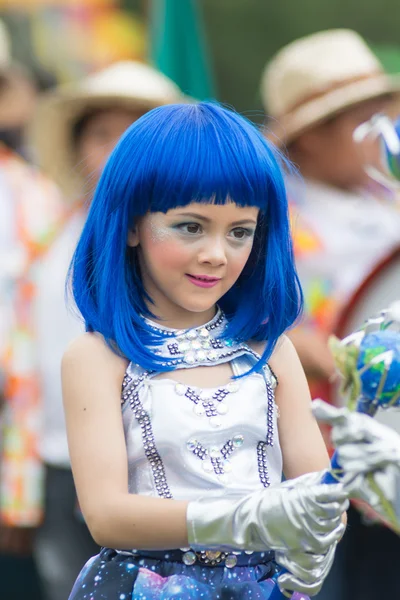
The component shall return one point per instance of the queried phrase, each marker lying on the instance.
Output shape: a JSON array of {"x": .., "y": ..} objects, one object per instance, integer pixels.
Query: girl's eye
[
  {"x": 191, "y": 228},
  {"x": 241, "y": 233}
]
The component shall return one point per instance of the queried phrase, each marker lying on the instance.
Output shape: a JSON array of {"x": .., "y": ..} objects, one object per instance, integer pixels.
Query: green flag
[{"x": 178, "y": 47}]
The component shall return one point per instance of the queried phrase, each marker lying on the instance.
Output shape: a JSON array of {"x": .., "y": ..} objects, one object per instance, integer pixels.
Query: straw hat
[
  {"x": 318, "y": 76},
  {"x": 130, "y": 85},
  {"x": 17, "y": 91}
]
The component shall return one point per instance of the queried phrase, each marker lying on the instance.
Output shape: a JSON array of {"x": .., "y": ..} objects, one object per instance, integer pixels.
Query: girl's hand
[
  {"x": 362, "y": 444},
  {"x": 306, "y": 572},
  {"x": 297, "y": 515},
  {"x": 369, "y": 454}
]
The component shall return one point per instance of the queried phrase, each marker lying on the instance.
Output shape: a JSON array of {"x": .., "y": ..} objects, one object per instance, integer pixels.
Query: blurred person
[
  {"x": 75, "y": 130},
  {"x": 19, "y": 96},
  {"x": 31, "y": 212},
  {"x": 316, "y": 91}
]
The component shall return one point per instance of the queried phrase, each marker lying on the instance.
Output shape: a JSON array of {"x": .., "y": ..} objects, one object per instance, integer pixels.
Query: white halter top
[{"x": 184, "y": 441}]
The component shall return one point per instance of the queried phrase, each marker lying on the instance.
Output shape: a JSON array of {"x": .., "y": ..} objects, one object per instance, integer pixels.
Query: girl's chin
[{"x": 199, "y": 307}]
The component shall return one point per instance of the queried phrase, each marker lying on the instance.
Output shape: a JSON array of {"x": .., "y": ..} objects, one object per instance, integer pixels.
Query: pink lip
[{"x": 203, "y": 280}]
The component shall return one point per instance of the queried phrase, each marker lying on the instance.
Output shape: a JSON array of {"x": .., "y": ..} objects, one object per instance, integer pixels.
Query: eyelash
[{"x": 247, "y": 232}]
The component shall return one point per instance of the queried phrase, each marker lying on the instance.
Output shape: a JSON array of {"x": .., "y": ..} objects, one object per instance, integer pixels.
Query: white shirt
[
  {"x": 57, "y": 324},
  {"x": 355, "y": 232},
  {"x": 175, "y": 450}
]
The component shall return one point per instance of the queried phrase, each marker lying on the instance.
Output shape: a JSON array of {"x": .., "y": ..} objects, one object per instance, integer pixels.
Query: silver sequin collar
[{"x": 205, "y": 345}]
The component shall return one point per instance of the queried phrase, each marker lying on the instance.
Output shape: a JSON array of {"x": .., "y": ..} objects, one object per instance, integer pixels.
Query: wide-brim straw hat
[
  {"x": 318, "y": 76},
  {"x": 130, "y": 85}
]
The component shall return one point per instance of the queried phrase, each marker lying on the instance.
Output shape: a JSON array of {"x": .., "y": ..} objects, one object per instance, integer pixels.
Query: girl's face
[{"x": 191, "y": 256}]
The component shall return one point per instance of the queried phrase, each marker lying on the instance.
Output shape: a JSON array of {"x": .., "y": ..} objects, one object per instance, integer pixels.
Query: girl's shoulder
[
  {"x": 90, "y": 352},
  {"x": 283, "y": 356}
]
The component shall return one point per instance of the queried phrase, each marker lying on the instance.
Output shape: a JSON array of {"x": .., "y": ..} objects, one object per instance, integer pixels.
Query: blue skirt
[{"x": 145, "y": 575}]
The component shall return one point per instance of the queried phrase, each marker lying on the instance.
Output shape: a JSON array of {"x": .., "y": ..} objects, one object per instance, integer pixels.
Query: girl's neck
[{"x": 182, "y": 319}]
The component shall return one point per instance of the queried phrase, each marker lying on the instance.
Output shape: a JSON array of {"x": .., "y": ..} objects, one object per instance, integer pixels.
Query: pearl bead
[
  {"x": 214, "y": 452},
  {"x": 232, "y": 387},
  {"x": 184, "y": 346},
  {"x": 227, "y": 466},
  {"x": 238, "y": 440},
  {"x": 180, "y": 389},
  {"x": 201, "y": 355},
  {"x": 207, "y": 466},
  {"x": 190, "y": 358},
  {"x": 189, "y": 558},
  {"x": 198, "y": 410},
  {"x": 231, "y": 561},
  {"x": 222, "y": 408}
]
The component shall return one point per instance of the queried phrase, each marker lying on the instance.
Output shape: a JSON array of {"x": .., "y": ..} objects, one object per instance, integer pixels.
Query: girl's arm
[
  {"x": 92, "y": 377},
  {"x": 302, "y": 445}
]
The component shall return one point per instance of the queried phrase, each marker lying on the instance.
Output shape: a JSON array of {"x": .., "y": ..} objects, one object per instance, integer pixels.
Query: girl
[
  {"x": 185, "y": 278},
  {"x": 76, "y": 128}
]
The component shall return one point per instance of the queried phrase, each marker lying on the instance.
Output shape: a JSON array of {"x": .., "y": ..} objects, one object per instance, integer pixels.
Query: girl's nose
[{"x": 213, "y": 253}]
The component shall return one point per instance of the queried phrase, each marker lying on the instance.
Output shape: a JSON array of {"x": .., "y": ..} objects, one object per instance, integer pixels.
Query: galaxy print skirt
[{"x": 113, "y": 575}]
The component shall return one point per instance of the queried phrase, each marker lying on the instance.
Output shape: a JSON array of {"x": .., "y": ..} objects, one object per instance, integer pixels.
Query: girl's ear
[{"x": 133, "y": 238}]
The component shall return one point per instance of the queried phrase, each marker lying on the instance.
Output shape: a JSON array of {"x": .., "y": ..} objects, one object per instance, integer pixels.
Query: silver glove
[
  {"x": 298, "y": 515},
  {"x": 362, "y": 443},
  {"x": 306, "y": 572},
  {"x": 369, "y": 454}
]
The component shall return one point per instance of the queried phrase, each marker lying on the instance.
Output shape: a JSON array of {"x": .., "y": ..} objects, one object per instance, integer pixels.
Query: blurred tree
[
  {"x": 244, "y": 34},
  {"x": 389, "y": 55}
]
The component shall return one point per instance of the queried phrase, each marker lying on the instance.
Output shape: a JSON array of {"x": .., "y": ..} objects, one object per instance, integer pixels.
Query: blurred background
[
  {"x": 210, "y": 49},
  {"x": 68, "y": 38}
]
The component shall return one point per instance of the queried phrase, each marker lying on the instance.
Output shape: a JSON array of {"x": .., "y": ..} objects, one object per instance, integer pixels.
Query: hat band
[{"x": 331, "y": 88}]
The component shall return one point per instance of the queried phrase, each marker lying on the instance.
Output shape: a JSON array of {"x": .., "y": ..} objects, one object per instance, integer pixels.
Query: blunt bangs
[
  {"x": 180, "y": 154},
  {"x": 173, "y": 156}
]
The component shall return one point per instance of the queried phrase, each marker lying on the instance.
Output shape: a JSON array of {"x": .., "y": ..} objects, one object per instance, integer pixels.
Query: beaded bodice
[{"x": 184, "y": 441}]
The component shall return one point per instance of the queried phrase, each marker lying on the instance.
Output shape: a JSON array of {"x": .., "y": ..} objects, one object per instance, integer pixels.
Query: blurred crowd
[{"x": 316, "y": 91}]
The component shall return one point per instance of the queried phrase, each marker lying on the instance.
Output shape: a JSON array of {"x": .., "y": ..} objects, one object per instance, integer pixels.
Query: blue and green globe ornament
[{"x": 369, "y": 363}]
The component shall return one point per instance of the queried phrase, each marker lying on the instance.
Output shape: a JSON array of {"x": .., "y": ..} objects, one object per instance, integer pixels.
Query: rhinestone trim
[
  {"x": 212, "y": 406},
  {"x": 150, "y": 449},
  {"x": 198, "y": 346},
  {"x": 173, "y": 349},
  {"x": 263, "y": 446},
  {"x": 270, "y": 414},
  {"x": 216, "y": 459},
  {"x": 210, "y": 558},
  {"x": 129, "y": 385},
  {"x": 262, "y": 463},
  {"x": 130, "y": 393}
]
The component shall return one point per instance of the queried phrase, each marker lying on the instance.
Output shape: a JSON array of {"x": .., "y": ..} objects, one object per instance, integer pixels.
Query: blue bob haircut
[{"x": 172, "y": 156}]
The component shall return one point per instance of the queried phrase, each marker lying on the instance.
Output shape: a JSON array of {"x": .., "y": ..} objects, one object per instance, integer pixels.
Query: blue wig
[{"x": 170, "y": 157}]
